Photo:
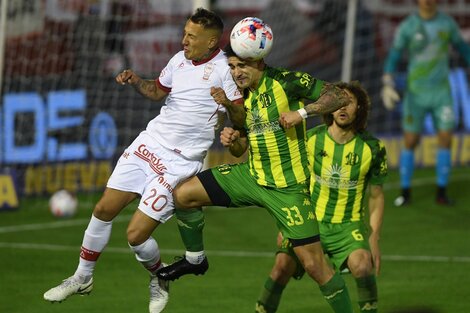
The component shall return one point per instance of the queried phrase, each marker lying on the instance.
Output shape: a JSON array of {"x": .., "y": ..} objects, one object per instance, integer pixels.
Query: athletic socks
[
  {"x": 270, "y": 297},
  {"x": 190, "y": 225},
  {"x": 367, "y": 294},
  {"x": 406, "y": 168},
  {"x": 337, "y": 295},
  {"x": 95, "y": 239},
  {"x": 148, "y": 254},
  {"x": 443, "y": 164}
]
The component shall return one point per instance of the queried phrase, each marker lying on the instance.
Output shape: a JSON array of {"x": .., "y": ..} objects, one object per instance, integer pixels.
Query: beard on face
[{"x": 344, "y": 126}]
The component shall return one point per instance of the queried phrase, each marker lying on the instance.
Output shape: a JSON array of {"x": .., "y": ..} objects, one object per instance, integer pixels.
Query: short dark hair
[
  {"x": 207, "y": 19},
  {"x": 363, "y": 102},
  {"x": 228, "y": 50}
]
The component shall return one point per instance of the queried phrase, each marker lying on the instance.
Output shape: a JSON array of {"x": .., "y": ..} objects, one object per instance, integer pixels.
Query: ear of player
[{"x": 251, "y": 38}]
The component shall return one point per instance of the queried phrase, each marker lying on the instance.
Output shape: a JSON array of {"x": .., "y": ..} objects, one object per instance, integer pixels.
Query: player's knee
[
  {"x": 135, "y": 235},
  {"x": 183, "y": 198},
  {"x": 103, "y": 212},
  {"x": 284, "y": 268},
  {"x": 360, "y": 264},
  {"x": 318, "y": 269}
]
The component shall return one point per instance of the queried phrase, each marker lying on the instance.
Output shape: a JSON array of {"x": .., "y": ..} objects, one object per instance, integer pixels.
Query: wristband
[{"x": 303, "y": 113}]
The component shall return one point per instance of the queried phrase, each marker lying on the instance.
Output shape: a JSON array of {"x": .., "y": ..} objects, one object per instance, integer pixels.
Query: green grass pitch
[{"x": 425, "y": 258}]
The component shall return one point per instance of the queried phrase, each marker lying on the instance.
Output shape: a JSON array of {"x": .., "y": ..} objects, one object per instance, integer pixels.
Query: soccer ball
[
  {"x": 63, "y": 204},
  {"x": 251, "y": 38}
]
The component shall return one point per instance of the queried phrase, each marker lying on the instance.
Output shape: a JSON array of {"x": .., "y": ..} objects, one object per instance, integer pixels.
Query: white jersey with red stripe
[{"x": 186, "y": 123}]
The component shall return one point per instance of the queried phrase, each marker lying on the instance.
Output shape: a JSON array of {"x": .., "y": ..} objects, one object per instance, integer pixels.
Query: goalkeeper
[{"x": 426, "y": 37}]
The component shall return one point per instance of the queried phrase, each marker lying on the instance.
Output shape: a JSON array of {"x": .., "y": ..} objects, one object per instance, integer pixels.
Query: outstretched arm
[
  {"x": 331, "y": 99},
  {"x": 147, "y": 88}
]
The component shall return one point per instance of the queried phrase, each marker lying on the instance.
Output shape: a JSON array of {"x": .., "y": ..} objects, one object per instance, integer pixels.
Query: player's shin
[
  {"x": 367, "y": 294},
  {"x": 191, "y": 225},
  {"x": 95, "y": 239},
  {"x": 443, "y": 164},
  {"x": 270, "y": 297},
  {"x": 336, "y": 294},
  {"x": 406, "y": 167},
  {"x": 148, "y": 254}
]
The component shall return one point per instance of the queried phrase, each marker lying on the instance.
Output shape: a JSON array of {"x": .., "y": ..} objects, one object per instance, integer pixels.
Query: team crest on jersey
[
  {"x": 265, "y": 100},
  {"x": 352, "y": 158},
  {"x": 208, "y": 69},
  {"x": 224, "y": 169}
]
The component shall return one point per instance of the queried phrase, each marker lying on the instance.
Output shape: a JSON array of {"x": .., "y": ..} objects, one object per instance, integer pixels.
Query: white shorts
[{"x": 153, "y": 171}]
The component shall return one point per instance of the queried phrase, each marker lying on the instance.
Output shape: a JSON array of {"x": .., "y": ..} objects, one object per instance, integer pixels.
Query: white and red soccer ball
[
  {"x": 63, "y": 204},
  {"x": 251, "y": 38}
]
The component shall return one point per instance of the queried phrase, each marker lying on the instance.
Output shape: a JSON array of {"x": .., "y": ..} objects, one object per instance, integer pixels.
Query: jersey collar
[{"x": 210, "y": 57}]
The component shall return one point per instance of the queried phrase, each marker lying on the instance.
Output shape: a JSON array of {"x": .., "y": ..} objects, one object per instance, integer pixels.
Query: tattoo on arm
[
  {"x": 331, "y": 99},
  {"x": 240, "y": 146},
  {"x": 237, "y": 115},
  {"x": 148, "y": 89}
]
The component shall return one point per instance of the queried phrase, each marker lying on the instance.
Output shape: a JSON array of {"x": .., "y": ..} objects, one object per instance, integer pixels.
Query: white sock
[
  {"x": 148, "y": 254},
  {"x": 195, "y": 257},
  {"x": 95, "y": 239}
]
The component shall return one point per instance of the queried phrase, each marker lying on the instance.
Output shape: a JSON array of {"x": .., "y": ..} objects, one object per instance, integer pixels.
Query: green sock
[
  {"x": 270, "y": 296},
  {"x": 190, "y": 224},
  {"x": 337, "y": 295},
  {"x": 367, "y": 294}
]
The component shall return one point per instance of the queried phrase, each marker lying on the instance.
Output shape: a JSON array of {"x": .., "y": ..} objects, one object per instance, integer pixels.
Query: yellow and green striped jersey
[
  {"x": 278, "y": 157},
  {"x": 340, "y": 173}
]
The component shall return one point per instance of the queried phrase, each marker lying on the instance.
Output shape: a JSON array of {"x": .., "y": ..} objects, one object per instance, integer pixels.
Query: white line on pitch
[
  {"x": 228, "y": 253},
  {"x": 56, "y": 224},
  {"x": 73, "y": 222},
  {"x": 121, "y": 218}
]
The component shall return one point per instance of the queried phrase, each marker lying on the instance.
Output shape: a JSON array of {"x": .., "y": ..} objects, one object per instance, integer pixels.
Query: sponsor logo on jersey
[
  {"x": 154, "y": 162},
  {"x": 335, "y": 177}
]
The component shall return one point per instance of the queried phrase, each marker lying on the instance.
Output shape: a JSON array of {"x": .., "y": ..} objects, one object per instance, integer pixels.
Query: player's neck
[
  {"x": 257, "y": 77},
  {"x": 427, "y": 14},
  {"x": 340, "y": 135}
]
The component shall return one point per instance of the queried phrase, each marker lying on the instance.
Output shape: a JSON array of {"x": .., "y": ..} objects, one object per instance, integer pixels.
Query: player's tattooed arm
[
  {"x": 331, "y": 99},
  {"x": 147, "y": 88}
]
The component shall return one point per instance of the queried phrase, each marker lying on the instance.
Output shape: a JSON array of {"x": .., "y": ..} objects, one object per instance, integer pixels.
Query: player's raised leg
[
  {"x": 188, "y": 195},
  {"x": 191, "y": 225}
]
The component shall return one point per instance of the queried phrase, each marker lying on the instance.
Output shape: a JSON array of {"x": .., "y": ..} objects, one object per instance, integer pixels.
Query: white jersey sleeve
[{"x": 166, "y": 75}]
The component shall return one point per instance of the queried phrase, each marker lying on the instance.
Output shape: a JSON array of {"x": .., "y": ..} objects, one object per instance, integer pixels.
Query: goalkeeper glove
[{"x": 388, "y": 93}]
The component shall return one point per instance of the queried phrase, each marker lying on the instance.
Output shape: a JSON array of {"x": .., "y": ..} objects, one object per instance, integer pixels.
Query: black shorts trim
[
  {"x": 304, "y": 241},
  {"x": 217, "y": 195}
]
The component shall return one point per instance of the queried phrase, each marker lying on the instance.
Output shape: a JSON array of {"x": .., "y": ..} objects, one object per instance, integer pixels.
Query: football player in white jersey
[{"x": 171, "y": 149}]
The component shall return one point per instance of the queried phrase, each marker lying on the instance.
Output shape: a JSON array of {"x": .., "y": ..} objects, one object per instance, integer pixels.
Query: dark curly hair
[{"x": 363, "y": 102}]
